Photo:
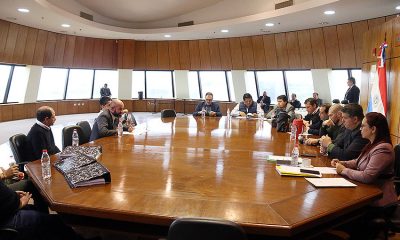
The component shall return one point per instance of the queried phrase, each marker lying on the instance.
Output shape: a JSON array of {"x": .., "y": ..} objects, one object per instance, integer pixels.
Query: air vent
[
  {"x": 86, "y": 16},
  {"x": 283, "y": 4},
  {"x": 183, "y": 24}
]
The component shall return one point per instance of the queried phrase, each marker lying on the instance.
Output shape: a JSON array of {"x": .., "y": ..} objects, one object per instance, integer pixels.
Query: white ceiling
[{"x": 152, "y": 19}]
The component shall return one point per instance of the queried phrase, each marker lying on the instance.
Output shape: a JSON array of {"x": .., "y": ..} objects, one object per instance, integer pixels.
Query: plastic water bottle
[
  {"x": 293, "y": 131},
  {"x": 75, "y": 138},
  {"x": 120, "y": 129},
  {"x": 203, "y": 112},
  {"x": 295, "y": 155},
  {"x": 45, "y": 162}
]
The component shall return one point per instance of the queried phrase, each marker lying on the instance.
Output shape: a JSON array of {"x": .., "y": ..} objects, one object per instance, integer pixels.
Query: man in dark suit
[
  {"x": 264, "y": 102},
  {"x": 211, "y": 108},
  {"x": 105, "y": 91},
  {"x": 295, "y": 103},
  {"x": 312, "y": 119},
  {"x": 107, "y": 122},
  {"x": 353, "y": 92}
]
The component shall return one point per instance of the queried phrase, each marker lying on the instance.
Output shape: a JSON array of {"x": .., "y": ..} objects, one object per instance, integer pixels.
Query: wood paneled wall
[
  {"x": 372, "y": 40},
  {"x": 328, "y": 47}
]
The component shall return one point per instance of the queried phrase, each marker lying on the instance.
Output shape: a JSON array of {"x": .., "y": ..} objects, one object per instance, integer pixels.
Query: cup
[{"x": 306, "y": 162}]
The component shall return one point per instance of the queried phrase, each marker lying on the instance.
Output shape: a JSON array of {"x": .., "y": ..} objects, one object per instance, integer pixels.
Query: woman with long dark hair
[{"x": 375, "y": 165}]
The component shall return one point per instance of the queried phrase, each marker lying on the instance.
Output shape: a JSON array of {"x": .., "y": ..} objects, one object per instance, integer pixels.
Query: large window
[
  {"x": 338, "y": 82},
  {"x": 159, "y": 84},
  {"x": 18, "y": 84},
  {"x": 4, "y": 75},
  {"x": 300, "y": 83},
  {"x": 272, "y": 82},
  {"x": 80, "y": 83},
  {"x": 52, "y": 84},
  {"x": 193, "y": 84},
  {"x": 137, "y": 83},
  {"x": 105, "y": 76},
  {"x": 251, "y": 87},
  {"x": 215, "y": 82}
]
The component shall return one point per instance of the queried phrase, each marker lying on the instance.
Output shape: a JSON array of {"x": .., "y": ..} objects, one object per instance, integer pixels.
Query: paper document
[
  {"x": 273, "y": 158},
  {"x": 326, "y": 170},
  {"x": 330, "y": 182}
]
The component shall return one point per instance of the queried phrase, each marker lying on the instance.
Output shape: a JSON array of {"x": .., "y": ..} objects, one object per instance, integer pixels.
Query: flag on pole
[{"x": 378, "y": 98}]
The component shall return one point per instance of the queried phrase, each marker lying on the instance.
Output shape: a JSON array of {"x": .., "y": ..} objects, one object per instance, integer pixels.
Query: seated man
[
  {"x": 312, "y": 121},
  {"x": 107, "y": 122},
  {"x": 211, "y": 108},
  {"x": 295, "y": 103},
  {"x": 104, "y": 103},
  {"x": 264, "y": 101},
  {"x": 348, "y": 145},
  {"x": 40, "y": 136},
  {"x": 247, "y": 106},
  {"x": 282, "y": 105}
]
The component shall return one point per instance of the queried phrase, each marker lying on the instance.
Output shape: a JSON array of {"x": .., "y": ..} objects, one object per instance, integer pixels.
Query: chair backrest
[
  {"x": 200, "y": 229},
  {"x": 87, "y": 130},
  {"x": 8, "y": 234},
  {"x": 397, "y": 168},
  {"x": 168, "y": 113},
  {"x": 21, "y": 149},
  {"x": 67, "y": 135}
]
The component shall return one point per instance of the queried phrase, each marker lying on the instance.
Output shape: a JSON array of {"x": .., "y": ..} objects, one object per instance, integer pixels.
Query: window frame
[
  {"x": 200, "y": 86},
  {"x": 9, "y": 80}
]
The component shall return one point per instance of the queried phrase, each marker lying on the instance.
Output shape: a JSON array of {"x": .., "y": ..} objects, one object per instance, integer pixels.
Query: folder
[
  {"x": 90, "y": 151},
  {"x": 295, "y": 172}
]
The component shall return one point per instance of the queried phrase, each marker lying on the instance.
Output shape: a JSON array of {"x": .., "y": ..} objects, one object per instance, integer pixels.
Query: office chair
[
  {"x": 67, "y": 135},
  {"x": 336, "y": 101},
  {"x": 200, "y": 229},
  {"x": 8, "y": 234},
  {"x": 168, "y": 113},
  {"x": 87, "y": 130},
  {"x": 21, "y": 149}
]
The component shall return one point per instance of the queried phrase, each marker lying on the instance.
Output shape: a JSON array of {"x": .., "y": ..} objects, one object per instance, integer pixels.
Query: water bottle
[
  {"x": 129, "y": 120},
  {"x": 293, "y": 132},
  {"x": 75, "y": 138},
  {"x": 45, "y": 162},
  {"x": 203, "y": 112},
  {"x": 295, "y": 156},
  {"x": 120, "y": 129}
]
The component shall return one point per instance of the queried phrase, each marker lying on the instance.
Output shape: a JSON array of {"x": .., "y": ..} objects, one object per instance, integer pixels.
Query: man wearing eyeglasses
[{"x": 209, "y": 107}]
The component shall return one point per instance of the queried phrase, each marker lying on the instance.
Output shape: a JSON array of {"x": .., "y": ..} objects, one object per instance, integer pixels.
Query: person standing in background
[
  {"x": 295, "y": 103},
  {"x": 316, "y": 97},
  {"x": 353, "y": 92},
  {"x": 105, "y": 91},
  {"x": 264, "y": 101}
]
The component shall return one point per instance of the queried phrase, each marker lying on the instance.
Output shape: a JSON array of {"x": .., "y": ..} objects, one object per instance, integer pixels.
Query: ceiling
[{"x": 153, "y": 19}]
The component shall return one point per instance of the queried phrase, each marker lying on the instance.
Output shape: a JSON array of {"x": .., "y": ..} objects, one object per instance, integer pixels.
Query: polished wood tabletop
[{"x": 209, "y": 168}]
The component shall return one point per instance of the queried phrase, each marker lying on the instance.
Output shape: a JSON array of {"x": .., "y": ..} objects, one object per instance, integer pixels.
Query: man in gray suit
[{"x": 107, "y": 122}]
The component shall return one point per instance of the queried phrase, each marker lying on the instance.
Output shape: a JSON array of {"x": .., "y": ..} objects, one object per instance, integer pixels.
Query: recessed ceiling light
[
  {"x": 269, "y": 24},
  {"x": 224, "y": 30},
  {"x": 23, "y": 10},
  {"x": 65, "y": 25},
  {"x": 329, "y": 12},
  {"x": 398, "y": 7},
  {"x": 167, "y": 35}
]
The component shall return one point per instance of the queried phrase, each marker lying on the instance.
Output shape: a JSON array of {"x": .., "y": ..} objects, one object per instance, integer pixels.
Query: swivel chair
[
  {"x": 168, "y": 113},
  {"x": 21, "y": 149},
  {"x": 87, "y": 130},
  {"x": 67, "y": 135}
]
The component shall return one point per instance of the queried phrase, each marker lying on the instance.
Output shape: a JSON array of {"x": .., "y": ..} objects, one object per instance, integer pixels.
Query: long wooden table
[{"x": 209, "y": 168}]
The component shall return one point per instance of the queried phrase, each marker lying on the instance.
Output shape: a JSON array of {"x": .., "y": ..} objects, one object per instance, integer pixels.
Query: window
[
  {"x": 215, "y": 82},
  {"x": 300, "y": 83},
  {"x": 80, "y": 83},
  {"x": 250, "y": 81},
  {"x": 338, "y": 81},
  {"x": 193, "y": 84},
  {"x": 159, "y": 84},
  {"x": 356, "y": 73},
  {"x": 272, "y": 82},
  {"x": 4, "y": 75},
  {"x": 18, "y": 84},
  {"x": 137, "y": 83},
  {"x": 105, "y": 76},
  {"x": 52, "y": 84}
]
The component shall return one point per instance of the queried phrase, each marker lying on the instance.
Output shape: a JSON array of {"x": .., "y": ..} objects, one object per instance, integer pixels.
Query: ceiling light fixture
[
  {"x": 329, "y": 12},
  {"x": 269, "y": 24},
  {"x": 65, "y": 25},
  {"x": 23, "y": 10},
  {"x": 398, "y": 7},
  {"x": 224, "y": 30},
  {"x": 167, "y": 35}
]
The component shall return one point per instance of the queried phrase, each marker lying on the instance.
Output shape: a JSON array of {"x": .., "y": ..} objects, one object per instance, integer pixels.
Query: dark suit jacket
[
  {"x": 105, "y": 92},
  {"x": 296, "y": 103},
  {"x": 103, "y": 126},
  {"x": 266, "y": 101},
  {"x": 213, "y": 107},
  {"x": 353, "y": 94},
  {"x": 315, "y": 122}
]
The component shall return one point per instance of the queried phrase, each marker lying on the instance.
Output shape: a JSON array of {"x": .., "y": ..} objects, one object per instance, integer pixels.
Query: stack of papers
[
  {"x": 294, "y": 172},
  {"x": 274, "y": 158},
  {"x": 330, "y": 182}
]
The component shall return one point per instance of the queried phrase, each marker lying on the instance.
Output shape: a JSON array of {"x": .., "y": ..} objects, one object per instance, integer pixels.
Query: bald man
[{"x": 107, "y": 122}]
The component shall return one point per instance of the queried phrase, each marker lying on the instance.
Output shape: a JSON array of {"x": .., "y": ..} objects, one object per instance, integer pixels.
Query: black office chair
[
  {"x": 21, "y": 149},
  {"x": 200, "y": 229},
  {"x": 67, "y": 135},
  {"x": 168, "y": 113},
  {"x": 87, "y": 130},
  {"x": 8, "y": 234},
  {"x": 336, "y": 101}
]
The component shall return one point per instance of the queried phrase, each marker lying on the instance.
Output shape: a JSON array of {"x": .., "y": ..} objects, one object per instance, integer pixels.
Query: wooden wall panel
[
  {"x": 50, "y": 48},
  {"x": 375, "y": 30},
  {"x": 293, "y": 50},
  {"x": 59, "y": 50},
  {"x": 10, "y": 43},
  {"x": 98, "y": 53},
  {"x": 173, "y": 49},
  {"x": 359, "y": 28},
  {"x": 88, "y": 53},
  {"x": 128, "y": 59},
  {"x": 4, "y": 26},
  {"x": 331, "y": 47},
  {"x": 163, "y": 55},
  {"x": 18, "y": 54},
  {"x": 318, "y": 48},
  {"x": 151, "y": 56},
  {"x": 270, "y": 51},
  {"x": 281, "y": 50},
  {"x": 258, "y": 52},
  {"x": 215, "y": 58},
  {"x": 109, "y": 51},
  {"x": 78, "y": 52},
  {"x": 236, "y": 53},
  {"x": 204, "y": 50},
  {"x": 40, "y": 48},
  {"x": 140, "y": 55},
  {"x": 225, "y": 53},
  {"x": 120, "y": 53},
  {"x": 18, "y": 111},
  {"x": 386, "y": 32},
  {"x": 346, "y": 46},
  {"x": 30, "y": 46},
  {"x": 395, "y": 40},
  {"x": 364, "y": 88},
  {"x": 247, "y": 52},
  {"x": 394, "y": 96},
  {"x": 375, "y": 22},
  {"x": 184, "y": 55},
  {"x": 306, "y": 56},
  {"x": 194, "y": 54},
  {"x": 68, "y": 59}
]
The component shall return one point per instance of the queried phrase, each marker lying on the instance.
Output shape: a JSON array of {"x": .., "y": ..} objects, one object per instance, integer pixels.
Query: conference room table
[{"x": 208, "y": 168}]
